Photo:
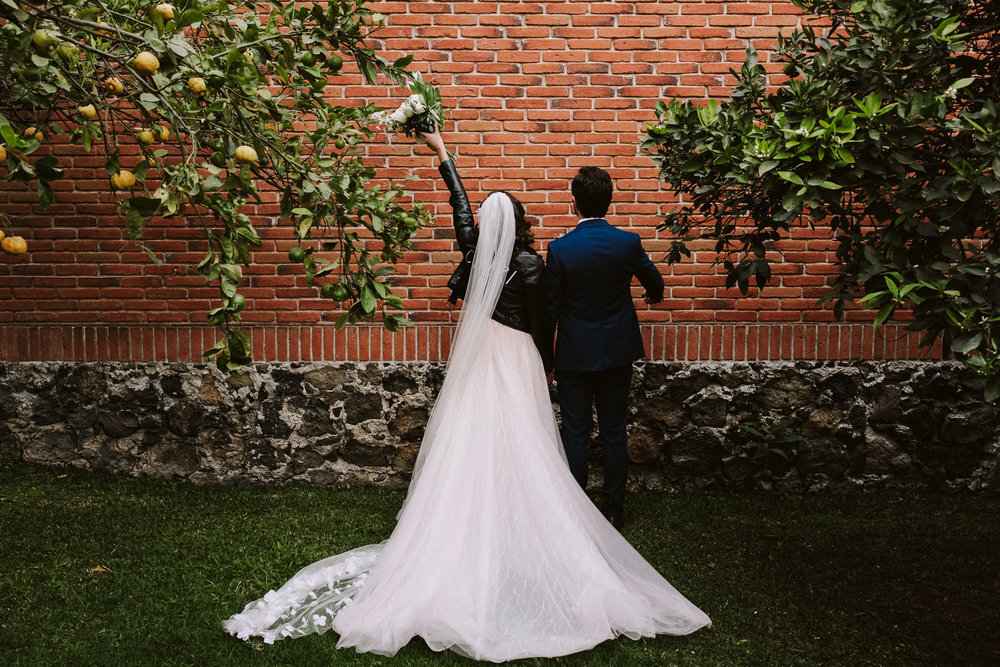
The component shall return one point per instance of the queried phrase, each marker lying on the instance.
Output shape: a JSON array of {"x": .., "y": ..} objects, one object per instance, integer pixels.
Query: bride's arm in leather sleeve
[
  {"x": 465, "y": 230},
  {"x": 536, "y": 298}
]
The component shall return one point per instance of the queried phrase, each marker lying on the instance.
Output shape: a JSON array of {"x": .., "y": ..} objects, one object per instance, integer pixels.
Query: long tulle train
[{"x": 497, "y": 554}]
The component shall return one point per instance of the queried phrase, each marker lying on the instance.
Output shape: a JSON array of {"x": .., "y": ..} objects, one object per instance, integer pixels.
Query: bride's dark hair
[{"x": 524, "y": 239}]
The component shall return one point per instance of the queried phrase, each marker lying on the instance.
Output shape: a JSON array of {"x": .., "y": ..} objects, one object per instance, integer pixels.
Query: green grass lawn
[{"x": 103, "y": 570}]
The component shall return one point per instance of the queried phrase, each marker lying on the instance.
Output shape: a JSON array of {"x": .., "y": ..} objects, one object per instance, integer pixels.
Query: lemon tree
[{"x": 225, "y": 101}]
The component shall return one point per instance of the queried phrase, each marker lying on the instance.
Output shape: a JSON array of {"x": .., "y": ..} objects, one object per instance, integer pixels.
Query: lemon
[
  {"x": 88, "y": 111},
  {"x": 145, "y": 137},
  {"x": 146, "y": 63},
  {"x": 123, "y": 180},
  {"x": 196, "y": 85},
  {"x": 334, "y": 291},
  {"x": 296, "y": 254},
  {"x": 246, "y": 154},
  {"x": 166, "y": 10},
  {"x": 68, "y": 53},
  {"x": 114, "y": 85},
  {"x": 14, "y": 245},
  {"x": 44, "y": 42}
]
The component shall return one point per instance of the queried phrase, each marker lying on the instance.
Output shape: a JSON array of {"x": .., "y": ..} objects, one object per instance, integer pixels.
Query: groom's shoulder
[
  {"x": 562, "y": 239},
  {"x": 577, "y": 235},
  {"x": 623, "y": 235}
]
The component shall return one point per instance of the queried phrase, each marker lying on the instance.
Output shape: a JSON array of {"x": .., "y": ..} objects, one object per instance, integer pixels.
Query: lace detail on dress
[{"x": 308, "y": 602}]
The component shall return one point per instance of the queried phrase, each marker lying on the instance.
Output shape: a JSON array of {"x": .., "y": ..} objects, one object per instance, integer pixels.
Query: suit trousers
[{"x": 578, "y": 391}]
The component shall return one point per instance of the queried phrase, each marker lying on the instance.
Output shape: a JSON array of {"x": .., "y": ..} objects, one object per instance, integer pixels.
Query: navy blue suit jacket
[{"x": 589, "y": 272}]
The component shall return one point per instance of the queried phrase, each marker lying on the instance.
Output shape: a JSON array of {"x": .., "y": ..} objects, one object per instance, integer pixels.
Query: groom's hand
[
  {"x": 550, "y": 377},
  {"x": 648, "y": 299}
]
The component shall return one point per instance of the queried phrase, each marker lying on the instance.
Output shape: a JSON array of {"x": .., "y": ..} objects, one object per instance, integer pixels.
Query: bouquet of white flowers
[{"x": 420, "y": 112}]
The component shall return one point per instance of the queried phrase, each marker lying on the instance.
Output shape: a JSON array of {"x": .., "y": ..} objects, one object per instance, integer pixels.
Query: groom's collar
[{"x": 590, "y": 221}]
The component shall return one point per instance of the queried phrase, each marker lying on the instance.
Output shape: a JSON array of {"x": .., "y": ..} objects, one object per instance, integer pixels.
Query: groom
[{"x": 589, "y": 272}]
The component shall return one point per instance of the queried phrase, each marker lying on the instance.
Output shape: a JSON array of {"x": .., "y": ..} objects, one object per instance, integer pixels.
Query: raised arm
[{"x": 461, "y": 210}]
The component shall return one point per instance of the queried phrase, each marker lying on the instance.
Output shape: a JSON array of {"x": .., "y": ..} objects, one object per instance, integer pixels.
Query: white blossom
[{"x": 416, "y": 102}]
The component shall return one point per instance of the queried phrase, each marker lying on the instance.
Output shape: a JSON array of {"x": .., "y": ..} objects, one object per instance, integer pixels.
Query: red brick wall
[{"x": 536, "y": 90}]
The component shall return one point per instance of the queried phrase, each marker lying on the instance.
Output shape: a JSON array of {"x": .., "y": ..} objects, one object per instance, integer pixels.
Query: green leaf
[
  {"x": 967, "y": 343},
  {"x": 189, "y": 17},
  {"x": 305, "y": 225},
  {"x": 766, "y": 167},
  {"x": 367, "y": 299},
  {"x": 873, "y": 296},
  {"x": 215, "y": 349},
  {"x": 872, "y": 255},
  {"x": 992, "y": 391},
  {"x": 152, "y": 256},
  {"x": 694, "y": 162},
  {"x": 144, "y": 205},
  {"x": 791, "y": 177},
  {"x": 884, "y": 313},
  {"x": 45, "y": 194}
]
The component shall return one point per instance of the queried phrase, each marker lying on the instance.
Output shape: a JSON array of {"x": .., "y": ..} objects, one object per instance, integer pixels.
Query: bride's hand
[{"x": 435, "y": 142}]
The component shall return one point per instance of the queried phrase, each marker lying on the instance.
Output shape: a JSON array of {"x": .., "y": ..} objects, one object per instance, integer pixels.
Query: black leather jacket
[{"x": 523, "y": 302}]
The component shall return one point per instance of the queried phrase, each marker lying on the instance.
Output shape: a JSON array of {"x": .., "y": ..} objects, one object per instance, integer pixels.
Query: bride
[{"x": 497, "y": 553}]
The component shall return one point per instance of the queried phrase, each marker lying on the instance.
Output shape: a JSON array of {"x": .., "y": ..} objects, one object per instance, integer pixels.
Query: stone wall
[{"x": 796, "y": 426}]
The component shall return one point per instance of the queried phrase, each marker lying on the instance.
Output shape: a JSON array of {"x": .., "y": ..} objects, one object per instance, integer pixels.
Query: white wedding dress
[{"x": 497, "y": 553}]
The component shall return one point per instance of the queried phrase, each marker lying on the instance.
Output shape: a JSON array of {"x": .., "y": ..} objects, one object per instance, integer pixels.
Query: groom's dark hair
[{"x": 592, "y": 192}]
